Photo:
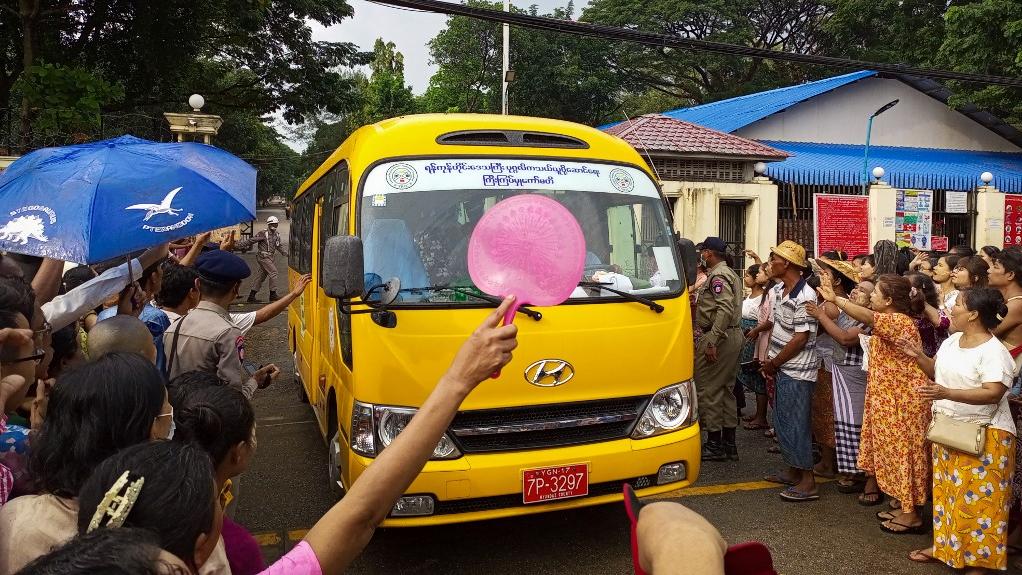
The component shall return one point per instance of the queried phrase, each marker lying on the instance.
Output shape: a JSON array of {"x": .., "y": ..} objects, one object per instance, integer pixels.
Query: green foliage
[
  {"x": 557, "y": 75},
  {"x": 66, "y": 99},
  {"x": 986, "y": 37}
]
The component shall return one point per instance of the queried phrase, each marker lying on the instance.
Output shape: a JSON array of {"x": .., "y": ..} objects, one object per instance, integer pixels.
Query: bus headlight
[
  {"x": 670, "y": 409},
  {"x": 376, "y": 423}
]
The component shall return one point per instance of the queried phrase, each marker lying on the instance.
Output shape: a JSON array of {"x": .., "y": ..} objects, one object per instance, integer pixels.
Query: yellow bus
[{"x": 600, "y": 389}]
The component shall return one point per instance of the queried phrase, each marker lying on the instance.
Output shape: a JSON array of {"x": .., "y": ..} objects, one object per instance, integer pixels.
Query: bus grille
[{"x": 543, "y": 426}]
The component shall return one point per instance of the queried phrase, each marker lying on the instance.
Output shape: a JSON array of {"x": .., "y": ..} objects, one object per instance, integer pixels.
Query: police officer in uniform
[
  {"x": 205, "y": 339},
  {"x": 267, "y": 242},
  {"x": 718, "y": 334}
]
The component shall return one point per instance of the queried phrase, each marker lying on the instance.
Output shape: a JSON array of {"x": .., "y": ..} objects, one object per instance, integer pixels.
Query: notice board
[
  {"x": 1012, "y": 220},
  {"x": 841, "y": 222},
  {"x": 913, "y": 225}
]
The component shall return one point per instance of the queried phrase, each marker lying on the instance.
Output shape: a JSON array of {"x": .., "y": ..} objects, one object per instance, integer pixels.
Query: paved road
[{"x": 285, "y": 492}]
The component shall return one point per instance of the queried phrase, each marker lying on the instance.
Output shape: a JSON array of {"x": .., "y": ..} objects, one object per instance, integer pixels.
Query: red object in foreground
[
  {"x": 553, "y": 483},
  {"x": 751, "y": 558}
]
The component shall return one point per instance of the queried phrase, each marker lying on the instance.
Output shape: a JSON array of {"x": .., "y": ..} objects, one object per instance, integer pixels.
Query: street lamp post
[
  {"x": 507, "y": 61},
  {"x": 869, "y": 129}
]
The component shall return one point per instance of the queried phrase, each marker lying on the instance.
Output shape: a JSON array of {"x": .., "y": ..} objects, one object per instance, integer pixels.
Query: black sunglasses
[{"x": 36, "y": 357}]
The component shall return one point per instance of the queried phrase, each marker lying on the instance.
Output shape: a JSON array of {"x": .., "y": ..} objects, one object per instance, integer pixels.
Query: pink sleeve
[{"x": 299, "y": 561}]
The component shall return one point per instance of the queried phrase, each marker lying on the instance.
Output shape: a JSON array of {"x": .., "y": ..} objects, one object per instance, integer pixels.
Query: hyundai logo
[{"x": 549, "y": 373}]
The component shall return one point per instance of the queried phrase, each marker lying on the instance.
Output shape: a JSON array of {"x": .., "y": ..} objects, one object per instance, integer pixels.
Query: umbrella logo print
[{"x": 160, "y": 208}]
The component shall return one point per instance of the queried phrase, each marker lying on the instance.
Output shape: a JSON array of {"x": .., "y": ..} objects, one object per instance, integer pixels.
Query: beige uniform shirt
[
  {"x": 209, "y": 341},
  {"x": 719, "y": 304}
]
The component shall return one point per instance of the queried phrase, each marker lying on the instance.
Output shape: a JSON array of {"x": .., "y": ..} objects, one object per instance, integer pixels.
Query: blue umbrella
[{"x": 96, "y": 201}]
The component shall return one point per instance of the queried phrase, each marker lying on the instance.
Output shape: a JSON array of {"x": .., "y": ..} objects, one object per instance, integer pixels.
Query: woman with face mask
[{"x": 95, "y": 410}]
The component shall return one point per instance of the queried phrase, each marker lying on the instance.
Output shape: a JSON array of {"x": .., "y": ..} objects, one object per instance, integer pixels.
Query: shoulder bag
[{"x": 959, "y": 435}]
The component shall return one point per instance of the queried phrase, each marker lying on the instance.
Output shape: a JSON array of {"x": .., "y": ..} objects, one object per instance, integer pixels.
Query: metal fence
[
  {"x": 796, "y": 191},
  {"x": 14, "y": 142},
  {"x": 795, "y": 201}
]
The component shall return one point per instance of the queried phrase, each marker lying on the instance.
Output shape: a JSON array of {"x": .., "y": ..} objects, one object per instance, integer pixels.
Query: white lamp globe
[
  {"x": 986, "y": 177},
  {"x": 196, "y": 102},
  {"x": 878, "y": 172},
  {"x": 759, "y": 167}
]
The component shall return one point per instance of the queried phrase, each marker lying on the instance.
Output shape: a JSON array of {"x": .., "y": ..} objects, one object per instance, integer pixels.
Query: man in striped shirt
[{"x": 793, "y": 364}]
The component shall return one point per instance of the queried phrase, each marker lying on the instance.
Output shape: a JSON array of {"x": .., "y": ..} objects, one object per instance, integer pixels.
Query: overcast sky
[{"x": 408, "y": 30}]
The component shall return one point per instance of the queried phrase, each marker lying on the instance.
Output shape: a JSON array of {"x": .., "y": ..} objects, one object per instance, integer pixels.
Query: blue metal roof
[
  {"x": 919, "y": 168},
  {"x": 735, "y": 113}
]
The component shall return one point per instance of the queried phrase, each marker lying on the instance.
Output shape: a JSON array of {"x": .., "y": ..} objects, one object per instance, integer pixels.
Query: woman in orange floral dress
[{"x": 894, "y": 451}]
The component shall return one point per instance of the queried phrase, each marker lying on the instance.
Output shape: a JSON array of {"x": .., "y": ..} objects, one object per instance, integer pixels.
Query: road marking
[
  {"x": 271, "y": 539},
  {"x": 268, "y": 425},
  {"x": 297, "y": 535},
  {"x": 268, "y": 539}
]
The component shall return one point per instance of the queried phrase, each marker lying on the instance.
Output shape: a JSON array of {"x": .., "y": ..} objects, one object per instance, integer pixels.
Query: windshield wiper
[
  {"x": 628, "y": 296},
  {"x": 496, "y": 301}
]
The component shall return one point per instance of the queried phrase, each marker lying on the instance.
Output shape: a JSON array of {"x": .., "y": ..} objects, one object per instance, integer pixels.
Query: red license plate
[{"x": 553, "y": 483}]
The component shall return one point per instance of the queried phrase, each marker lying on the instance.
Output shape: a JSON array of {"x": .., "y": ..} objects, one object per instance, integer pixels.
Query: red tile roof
[{"x": 659, "y": 133}]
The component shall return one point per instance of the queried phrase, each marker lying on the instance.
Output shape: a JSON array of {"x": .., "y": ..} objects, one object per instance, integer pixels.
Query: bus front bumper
[{"x": 489, "y": 486}]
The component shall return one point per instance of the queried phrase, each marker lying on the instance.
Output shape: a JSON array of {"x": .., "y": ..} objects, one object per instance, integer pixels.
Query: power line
[{"x": 668, "y": 41}]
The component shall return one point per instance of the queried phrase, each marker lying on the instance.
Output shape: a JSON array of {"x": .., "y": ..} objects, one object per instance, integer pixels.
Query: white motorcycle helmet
[{"x": 272, "y": 220}]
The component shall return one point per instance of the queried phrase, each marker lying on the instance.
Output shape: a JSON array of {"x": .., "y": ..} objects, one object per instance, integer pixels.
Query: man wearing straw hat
[
  {"x": 793, "y": 365},
  {"x": 718, "y": 312}
]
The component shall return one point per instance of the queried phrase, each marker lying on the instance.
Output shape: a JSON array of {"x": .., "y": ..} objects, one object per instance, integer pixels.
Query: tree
[
  {"x": 558, "y": 75},
  {"x": 255, "y": 56},
  {"x": 696, "y": 77},
  {"x": 986, "y": 37}
]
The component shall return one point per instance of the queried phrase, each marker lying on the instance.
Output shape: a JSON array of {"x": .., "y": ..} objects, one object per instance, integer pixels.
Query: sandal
[
  {"x": 886, "y": 515},
  {"x": 866, "y": 503},
  {"x": 851, "y": 486},
  {"x": 920, "y": 556},
  {"x": 830, "y": 475},
  {"x": 779, "y": 479},
  {"x": 795, "y": 496},
  {"x": 904, "y": 529}
]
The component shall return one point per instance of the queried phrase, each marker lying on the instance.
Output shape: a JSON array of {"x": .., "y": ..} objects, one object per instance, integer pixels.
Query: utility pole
[{"x": 507, "y": 60}]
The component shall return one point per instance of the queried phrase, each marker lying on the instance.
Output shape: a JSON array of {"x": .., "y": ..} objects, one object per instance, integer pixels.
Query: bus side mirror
[
  {"x": 343, "y": 267},
  {"x": 689, "y": 259}
]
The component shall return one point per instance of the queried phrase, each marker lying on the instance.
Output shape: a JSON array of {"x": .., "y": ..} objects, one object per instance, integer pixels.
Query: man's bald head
[{"x": 121, "y": 333}]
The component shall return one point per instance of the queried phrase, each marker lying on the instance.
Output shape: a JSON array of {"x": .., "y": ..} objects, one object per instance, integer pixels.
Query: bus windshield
[{"x": 417, "y": 217}]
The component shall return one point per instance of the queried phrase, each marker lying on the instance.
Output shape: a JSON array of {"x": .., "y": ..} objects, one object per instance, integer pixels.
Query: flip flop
[
  {"x": 756, "y": 426},
  {"x": 830, "y": 475},
  {"x": 886, "y": 515},
  {"x": 879, "y": 499},
  {"x": 920, "y": 529},
  {"x": 779, "y": 479},
  {"x": 915, "y": 556},
  {"x": 795, "y": 496},
  {"x": 851, "y": 487}
]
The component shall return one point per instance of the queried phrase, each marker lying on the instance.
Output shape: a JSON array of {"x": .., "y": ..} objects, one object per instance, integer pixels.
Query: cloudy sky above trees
[{"x": 409, "y": 31}]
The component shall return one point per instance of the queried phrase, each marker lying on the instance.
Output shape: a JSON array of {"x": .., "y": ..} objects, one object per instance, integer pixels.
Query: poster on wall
[
  {"x": 1012, "y": 220},
  {"x": 939, "y": 243},
  {"x": 841, "y": 222},
  {"x": 913, "y": 225},
  {"x": 956, "y": 202}
]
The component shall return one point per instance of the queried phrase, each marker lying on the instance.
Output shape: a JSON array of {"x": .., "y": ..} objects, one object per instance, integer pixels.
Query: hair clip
[
  {"x": 116, "y": 505},
  {"x": 912, "y": 292}
]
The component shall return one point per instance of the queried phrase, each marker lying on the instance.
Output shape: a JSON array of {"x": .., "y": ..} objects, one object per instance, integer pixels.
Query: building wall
[
  {"x": 696, "y": 213},
  {"x": 6, "y": 161},
  {"x": 839, "y": 117}
]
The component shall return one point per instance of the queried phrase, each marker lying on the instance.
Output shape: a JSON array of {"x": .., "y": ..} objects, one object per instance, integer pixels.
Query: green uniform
[{"x": 718, "y": 313}]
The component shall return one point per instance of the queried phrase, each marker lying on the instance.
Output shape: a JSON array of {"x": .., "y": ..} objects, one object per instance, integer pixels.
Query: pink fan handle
[{"x": 509, "y": 318}]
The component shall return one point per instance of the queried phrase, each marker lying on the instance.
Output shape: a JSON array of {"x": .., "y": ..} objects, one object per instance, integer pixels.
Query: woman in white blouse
[{"x": 971, "y": 494}]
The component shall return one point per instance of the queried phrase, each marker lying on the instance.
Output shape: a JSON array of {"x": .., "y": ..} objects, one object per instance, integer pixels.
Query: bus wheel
[
  {"x": 334, "y": 466},
  {"x": 303, "y": 396}
]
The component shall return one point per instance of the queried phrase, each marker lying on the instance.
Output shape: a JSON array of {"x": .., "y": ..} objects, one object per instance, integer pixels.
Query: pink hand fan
[{"x": 529, "y": 246}]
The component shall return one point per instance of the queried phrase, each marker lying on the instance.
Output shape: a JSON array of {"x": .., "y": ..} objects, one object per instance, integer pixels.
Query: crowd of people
[{"x": 895, "y": 373}]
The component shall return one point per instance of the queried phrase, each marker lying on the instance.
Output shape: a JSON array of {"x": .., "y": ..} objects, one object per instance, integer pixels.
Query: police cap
[
  {"x": 221, "y": 267},
  {"x": 713, "y": 243}
]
